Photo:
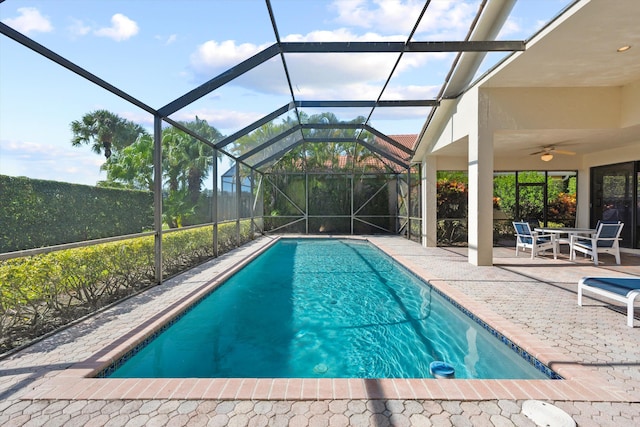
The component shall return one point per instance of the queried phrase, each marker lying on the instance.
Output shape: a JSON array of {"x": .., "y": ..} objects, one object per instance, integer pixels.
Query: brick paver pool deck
[{"x": 531, "y": 302}]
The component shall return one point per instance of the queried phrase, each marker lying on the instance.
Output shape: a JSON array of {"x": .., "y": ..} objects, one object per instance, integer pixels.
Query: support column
[
  {"x": 583, "y": 208},
  {"x": 251, "y": 223},
  {"x": 157, "y": 196},
  {"x": 238, "y": 203},
  {"x": 306, "y": 203},
  {"x": 214, "y": 202},
  {"x": 480, "y": 216},
  {"x": 352, "y": 177},
  {"x": 409, "y": 203},
  {"x": 429, "y": 179}
]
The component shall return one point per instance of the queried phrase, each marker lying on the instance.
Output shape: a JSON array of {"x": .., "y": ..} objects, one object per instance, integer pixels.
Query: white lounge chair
[
  {"x": 606, "y": 240},
  {"x": 527, "y": 239},
  {"x": 622, "y": 289}
]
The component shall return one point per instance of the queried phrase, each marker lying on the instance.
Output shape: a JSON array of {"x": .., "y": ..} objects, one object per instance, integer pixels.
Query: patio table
[{"x": 564, "y": 230}]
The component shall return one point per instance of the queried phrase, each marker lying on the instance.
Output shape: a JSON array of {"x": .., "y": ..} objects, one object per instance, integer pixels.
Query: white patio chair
[
  {"x": 606, "y": 240},
  {"x": 538, "y": 243}
]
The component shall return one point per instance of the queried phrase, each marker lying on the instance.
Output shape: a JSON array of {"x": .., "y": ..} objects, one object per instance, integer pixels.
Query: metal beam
[
  {"x": 346, "y": 104},
  {"x": 157, "y": 198},
  {"x": 332, "y": 125},
  {"x": 370, "y": 104},
  {"x": 332, "y": 139},
  {"x": 219, "y": 80},
  {"x": 408, "y": 103},
  {"x": 214, "y": 202},
  {"x": 341, "y": 47},
  {"x": 467, "y": 46},
  {"x": 397, "y": 47},
  {"x": 238, "y": 203}
]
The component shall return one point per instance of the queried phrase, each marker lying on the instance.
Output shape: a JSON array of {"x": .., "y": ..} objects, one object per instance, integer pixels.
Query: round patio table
[{"x": 564, "y": 230}]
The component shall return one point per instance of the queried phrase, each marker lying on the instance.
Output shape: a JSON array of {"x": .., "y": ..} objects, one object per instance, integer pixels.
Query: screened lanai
[{"x": 262, "y": 116}]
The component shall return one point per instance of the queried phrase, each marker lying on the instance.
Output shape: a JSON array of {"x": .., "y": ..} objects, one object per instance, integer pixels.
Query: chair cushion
[
  {"x": 605, "y": 243},
  {"x": 584, "y": 242},
  {"x": 618, "y": 285}
]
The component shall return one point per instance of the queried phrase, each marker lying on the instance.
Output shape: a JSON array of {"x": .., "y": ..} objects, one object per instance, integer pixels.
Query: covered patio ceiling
[{"x": 303, "y": 94}]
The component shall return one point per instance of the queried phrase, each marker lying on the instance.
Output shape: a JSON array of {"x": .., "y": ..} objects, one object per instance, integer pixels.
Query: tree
[
  {"x": 186, "y": 161},
  {"x": 132, "y": 167},
  {"x": 105, "y": 131},
  {"x": 200, "y": 156}
]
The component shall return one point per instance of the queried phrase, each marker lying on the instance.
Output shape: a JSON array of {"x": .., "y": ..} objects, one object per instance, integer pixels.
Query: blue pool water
[{"x": 324, "y": 308}]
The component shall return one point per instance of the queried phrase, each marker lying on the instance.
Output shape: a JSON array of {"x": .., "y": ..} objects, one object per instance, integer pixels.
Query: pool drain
[{"x": 320, "y": 368}]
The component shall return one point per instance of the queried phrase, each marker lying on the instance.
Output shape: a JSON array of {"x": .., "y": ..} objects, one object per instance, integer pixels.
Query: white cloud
[
  {"x": 341, "y": 35},
  {"x": 30, "y": 21},
  {"x": 411, "y": 92},
  {"x": 446, "y": 20},
  {"x": 122, "y": 28},
  {"x": 167, "y": 40},
  {"x": 172, "y": 38},
  {"x": 50, "y": 162},
  {"x": 212, "y": 56},
  {"x": 510, "y": 27},
  {"x": 443, "y": 17},
  {"x": 381, "y": 15},
  {"x": 79, "y": 28}
]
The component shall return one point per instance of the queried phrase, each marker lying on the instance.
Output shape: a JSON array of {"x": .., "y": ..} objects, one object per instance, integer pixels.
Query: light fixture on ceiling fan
[{"x": 548, "y": 152}]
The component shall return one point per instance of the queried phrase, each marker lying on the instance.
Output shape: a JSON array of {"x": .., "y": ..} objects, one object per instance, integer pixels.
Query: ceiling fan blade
[
  {"x": 539, "y": 152},
  {"x": 568, "y": 153}
]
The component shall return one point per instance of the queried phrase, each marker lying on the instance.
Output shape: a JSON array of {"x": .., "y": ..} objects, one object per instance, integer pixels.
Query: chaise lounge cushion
[{"x": 623, "y": 289}]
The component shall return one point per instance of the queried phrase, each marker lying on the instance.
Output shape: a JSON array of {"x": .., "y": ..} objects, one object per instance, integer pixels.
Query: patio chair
[
  {"x": 527, "y": 239},
  {"x": 604, "y": 221},
  {"x": 606, "y": 240}
]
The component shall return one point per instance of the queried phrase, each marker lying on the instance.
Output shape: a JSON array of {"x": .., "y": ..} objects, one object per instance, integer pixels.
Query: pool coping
[{"x": 79, "y": 382}]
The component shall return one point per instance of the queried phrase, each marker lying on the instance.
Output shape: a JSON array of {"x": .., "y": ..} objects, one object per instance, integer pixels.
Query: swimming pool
[{"x": 323, "y": 308}]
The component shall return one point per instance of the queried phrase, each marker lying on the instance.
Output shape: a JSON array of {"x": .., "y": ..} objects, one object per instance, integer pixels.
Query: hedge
[
  {"x": 36, "y": 213},
  {"x": 43, "y": 292}
]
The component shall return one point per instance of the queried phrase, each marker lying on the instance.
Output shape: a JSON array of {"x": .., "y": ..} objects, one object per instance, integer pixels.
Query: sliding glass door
[{"x": 614, "y": 196}]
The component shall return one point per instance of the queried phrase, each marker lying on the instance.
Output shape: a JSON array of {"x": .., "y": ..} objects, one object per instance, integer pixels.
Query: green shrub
[
  {"x": 42, "y": 292},
  {"x": 36, "y": 213}
]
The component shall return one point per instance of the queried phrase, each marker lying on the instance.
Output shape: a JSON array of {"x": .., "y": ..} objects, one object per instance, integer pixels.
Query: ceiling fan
[{"x": 548, "y": 152}]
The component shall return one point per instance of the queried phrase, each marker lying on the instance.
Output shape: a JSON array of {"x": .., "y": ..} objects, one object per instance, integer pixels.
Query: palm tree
[
  {"x": 199, "y": 155},
  {"x": 105, "y": 131}
]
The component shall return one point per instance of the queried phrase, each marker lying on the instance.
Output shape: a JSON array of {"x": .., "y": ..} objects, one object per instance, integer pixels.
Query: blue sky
[{"x": 157, "y": 50}]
